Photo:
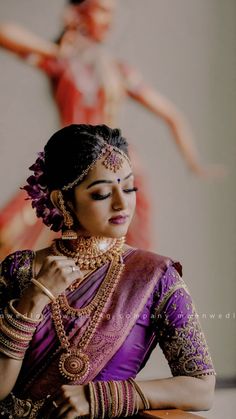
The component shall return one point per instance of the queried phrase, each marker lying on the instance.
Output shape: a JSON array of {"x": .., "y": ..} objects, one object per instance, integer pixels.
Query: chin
[{"x": 117, "y": 232}]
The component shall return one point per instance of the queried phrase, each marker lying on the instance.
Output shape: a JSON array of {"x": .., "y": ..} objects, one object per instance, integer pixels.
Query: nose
[{"x": 118, "y": 201}]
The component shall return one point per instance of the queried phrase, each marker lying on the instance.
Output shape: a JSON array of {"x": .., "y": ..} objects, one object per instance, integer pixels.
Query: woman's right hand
[{"x": 57, "y": 273}]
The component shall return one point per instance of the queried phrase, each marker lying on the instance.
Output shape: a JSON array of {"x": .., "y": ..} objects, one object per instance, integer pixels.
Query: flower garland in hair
[{"x": 38, "y": 192}]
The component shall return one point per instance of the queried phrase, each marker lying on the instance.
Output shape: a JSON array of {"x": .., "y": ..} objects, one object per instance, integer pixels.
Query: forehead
[{"x": 100, "y": 172}]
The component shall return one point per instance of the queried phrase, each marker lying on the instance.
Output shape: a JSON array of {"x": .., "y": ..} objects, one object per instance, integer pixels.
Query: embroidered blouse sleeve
[
  {"x": 15, "y": 274},
  {"x": 178, "y": 329}
]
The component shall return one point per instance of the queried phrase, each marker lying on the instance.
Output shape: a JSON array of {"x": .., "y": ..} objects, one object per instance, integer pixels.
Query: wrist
[
  {"x": 32, "y": 301},
  {"x": 16, "y": 331}
]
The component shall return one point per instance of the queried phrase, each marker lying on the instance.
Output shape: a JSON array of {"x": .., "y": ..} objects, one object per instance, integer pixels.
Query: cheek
[
  {"x": 92, "y": 212},
  {"x": 132, "y": 202}
]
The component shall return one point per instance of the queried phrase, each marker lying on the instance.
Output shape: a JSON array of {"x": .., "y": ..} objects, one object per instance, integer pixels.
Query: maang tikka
[
  {"x": 113, "y": 159},
  {"x": 69, "y": 233}
]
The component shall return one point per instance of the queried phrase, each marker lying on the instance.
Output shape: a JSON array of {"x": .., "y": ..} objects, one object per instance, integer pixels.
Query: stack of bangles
[
  {"x": 16, "y": 332},
  {"x": 115, "y": 399}
]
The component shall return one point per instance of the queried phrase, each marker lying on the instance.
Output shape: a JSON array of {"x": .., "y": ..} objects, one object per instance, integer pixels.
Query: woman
[{"x": 81, "y": 318}]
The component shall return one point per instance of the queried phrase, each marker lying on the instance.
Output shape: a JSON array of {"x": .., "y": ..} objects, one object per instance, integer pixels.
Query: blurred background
[{"x": 185, "y": 49}]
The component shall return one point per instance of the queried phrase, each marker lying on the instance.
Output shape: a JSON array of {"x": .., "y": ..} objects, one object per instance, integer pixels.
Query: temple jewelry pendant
[{"x": 74, "y": 364}]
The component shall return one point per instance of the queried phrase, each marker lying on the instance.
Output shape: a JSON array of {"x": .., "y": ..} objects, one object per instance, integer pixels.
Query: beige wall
[{"x": 186, "y": 50}]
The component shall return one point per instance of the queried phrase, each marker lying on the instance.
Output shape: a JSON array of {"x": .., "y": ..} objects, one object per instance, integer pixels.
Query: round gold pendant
[{"x": 74, "y": 364}]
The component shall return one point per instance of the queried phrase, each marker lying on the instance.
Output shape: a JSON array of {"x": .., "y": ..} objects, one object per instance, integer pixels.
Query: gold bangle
[
  {"x": 17, "y": 324},
  {"x": 143, "y": 397},
  {"x": 21, "y": 316},
  {"x": 92, "y": 401},
  {"x": 10, "y": 354},
  {"x": 9, "y": 332},
  {"x": 44, "y": 289},
  {"x": 120, "y": 398},
  {"x": 11, "y": 345}
]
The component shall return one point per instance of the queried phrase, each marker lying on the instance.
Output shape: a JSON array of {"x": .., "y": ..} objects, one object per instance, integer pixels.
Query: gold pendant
[{"x": 74, "y": 364}]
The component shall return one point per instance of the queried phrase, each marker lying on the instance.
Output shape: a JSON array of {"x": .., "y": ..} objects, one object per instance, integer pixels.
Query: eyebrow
[{"x": 96, "y": 182}]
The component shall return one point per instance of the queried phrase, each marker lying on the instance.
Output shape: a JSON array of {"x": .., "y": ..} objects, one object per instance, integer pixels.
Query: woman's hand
[
  {"x": 57, "y": 273},
  {"x": 71, "y": 402}
]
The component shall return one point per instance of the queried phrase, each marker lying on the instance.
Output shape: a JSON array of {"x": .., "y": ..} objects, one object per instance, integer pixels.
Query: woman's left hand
[{"x": 71, "y": 401}]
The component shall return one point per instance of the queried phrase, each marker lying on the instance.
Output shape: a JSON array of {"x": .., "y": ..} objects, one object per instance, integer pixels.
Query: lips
[{"x": 120, "y": 219}]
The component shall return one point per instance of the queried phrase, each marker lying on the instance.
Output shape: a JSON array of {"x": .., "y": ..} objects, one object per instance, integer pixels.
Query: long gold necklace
[
  {"x": 90, "y": 252},
  {"x": 74, "y": 362}
]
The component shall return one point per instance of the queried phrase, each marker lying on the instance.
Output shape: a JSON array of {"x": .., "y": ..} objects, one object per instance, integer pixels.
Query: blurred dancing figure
[{"x": 89, "y": 87}]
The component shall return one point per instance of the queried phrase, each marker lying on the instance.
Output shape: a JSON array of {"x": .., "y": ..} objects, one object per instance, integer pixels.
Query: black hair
[
  {"x": 76, "y": 1},
  {"x": 73, "y": 148}
]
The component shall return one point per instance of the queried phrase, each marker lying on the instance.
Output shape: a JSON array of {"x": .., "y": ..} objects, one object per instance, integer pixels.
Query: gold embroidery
[
  {"x": 184, "y": 347},
  {"x": 169, "y": 293},
  {"x": 19, "y": 408},
  {"x": 186, "y": 351}
]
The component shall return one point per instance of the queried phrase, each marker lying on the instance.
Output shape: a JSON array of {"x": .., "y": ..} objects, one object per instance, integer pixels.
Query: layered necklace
[{"x": 90, "y": 253}]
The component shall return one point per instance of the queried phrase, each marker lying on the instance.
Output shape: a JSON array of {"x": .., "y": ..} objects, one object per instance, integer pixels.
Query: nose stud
[{"x": 118, "y": 180}]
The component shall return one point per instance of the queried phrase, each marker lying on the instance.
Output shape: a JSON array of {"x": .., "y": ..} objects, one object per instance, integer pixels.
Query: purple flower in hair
[{"x": 38, "y": 192}]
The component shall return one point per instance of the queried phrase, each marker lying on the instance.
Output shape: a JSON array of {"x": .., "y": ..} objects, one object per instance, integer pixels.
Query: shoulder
[
  {"x": 15, "y": 261},
  {"x": 154, "y": 261},
  {"x": 15, "y": 271}
]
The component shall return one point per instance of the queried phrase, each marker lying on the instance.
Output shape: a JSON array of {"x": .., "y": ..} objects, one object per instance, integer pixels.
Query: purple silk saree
[{"x": 150, "y": 305}]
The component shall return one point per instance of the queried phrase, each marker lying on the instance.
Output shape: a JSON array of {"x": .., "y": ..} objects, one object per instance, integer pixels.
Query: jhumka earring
[{"x": 69, "y": 233}]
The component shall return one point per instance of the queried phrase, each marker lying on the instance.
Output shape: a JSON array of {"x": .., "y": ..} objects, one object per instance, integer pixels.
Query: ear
[{"x": 54, "y": 199}]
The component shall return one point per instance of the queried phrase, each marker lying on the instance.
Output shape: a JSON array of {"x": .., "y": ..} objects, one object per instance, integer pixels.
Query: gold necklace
[
  {"x": 90, "y": 253},
  {"x": 74, "y": 363}
]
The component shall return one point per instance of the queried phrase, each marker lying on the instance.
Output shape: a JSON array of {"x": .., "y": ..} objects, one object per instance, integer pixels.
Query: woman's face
[
  {"x": 94, "y": 17},
  {"x": 105, "y": 201}
]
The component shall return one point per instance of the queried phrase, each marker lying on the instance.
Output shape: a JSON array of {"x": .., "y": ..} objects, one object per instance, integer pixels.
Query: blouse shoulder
[
  {"x": 147, "y": 257},
  {"x": 15, "y": 274}
]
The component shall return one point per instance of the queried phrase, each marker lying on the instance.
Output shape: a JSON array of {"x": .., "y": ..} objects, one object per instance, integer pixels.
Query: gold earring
[{"x": 69, "y": 233}]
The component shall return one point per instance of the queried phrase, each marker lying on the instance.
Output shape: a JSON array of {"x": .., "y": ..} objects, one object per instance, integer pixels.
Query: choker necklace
[
  {"x": 74, "y": 363},
  {"x": 90, "y": 252}
]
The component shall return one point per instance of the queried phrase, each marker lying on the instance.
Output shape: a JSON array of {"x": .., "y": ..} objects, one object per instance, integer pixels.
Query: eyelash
[{"x": 97, "y": 196}]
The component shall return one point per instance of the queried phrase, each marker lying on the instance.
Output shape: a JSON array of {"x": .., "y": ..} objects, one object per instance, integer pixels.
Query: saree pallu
[{"x": 151, "y": 304}]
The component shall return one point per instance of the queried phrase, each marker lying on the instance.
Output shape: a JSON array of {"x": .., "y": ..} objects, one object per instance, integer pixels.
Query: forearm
[
  {"x": 21, "y": 41},
  {"x": 186, "y": 393},
  {"x": 164, "y": 109},
  {"x": 30, "y": 305}
]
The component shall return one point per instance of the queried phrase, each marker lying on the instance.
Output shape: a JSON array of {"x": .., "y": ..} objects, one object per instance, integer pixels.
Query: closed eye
[
  {"x": 134, "y": 189},
  {"x": 98, "y": 196}
]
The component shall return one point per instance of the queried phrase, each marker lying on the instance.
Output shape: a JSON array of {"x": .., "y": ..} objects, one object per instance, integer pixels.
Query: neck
[
  {"x": 85, "y": 242},
  {"x": 90, "y": 252}
]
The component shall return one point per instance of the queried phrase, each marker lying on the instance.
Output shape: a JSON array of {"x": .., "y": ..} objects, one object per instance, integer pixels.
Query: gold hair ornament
[{"x": 113, "y": 160}]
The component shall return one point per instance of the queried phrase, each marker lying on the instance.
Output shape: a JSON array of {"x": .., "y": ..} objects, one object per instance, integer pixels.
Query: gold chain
[
  {"x": 74, "y": 363},
  {"x": 111, "y": 280}
]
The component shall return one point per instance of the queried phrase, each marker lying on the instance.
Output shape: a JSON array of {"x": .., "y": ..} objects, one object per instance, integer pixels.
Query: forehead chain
[{"x": 113, "y": 160}]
